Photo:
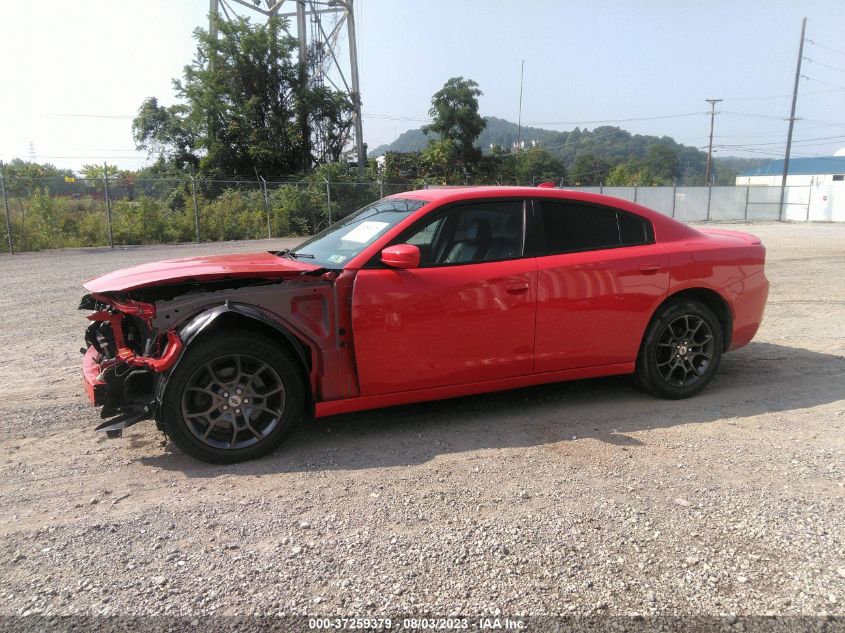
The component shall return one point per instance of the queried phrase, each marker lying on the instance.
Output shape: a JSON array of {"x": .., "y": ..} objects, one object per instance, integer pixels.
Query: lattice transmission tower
[{"x": 318, "y": 26}]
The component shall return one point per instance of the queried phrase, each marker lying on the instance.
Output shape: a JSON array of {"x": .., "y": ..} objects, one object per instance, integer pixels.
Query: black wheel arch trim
[
  {"x": 698, "y": 293},
  {"x": 202, "y": 321}
]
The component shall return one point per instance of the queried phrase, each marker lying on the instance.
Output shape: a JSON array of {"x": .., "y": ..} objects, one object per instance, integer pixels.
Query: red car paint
[
  {"x": 203, "y": 268},
  {"x": 413, "y": 334},
  {"x": 94, "y": 385}
]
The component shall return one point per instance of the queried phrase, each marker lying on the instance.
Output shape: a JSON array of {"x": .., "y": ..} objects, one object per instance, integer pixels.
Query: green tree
[
  {"x": 455, "y": 119},
  {"x": 95, "y": 172},
  {"x": 245, "y": 109},
  {"x": 24, "y": 177},
  {"x": 589, "y": 169},
  {"x": 662, "y": 162},
  {"x": 537, "y": 165},
  {"x": 168, "y": 133}
]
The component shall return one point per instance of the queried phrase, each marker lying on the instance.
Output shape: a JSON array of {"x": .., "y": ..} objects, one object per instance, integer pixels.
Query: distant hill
[
  {"x": 497, "y": 132},
  {"x": 605, "y": 142},
  {"x": 740, "y": 165}
]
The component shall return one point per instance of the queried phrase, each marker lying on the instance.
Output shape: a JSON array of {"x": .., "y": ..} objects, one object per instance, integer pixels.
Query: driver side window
[{"x": 482, "y": 232}]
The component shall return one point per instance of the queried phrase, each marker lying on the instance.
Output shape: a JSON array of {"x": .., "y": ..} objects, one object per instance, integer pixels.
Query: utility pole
[
  {"x": 519, "y": 118},
  {"x": 213, "y": 16},
  {"x": 6, "y": 207},
  {"x": 319, "y": 58},
  {"x": 266, "y": 205},
  {"x": 108, "y": 203},
  {"x": 360, "y": 148},
  {"x": 196, "y": 206},
  {"x": 305, "y": 126},
  {"x": 212, "y": 24},
  {"x": 712, "y": 103},
  {"x": 329, "y": 199},
  {"x": 792, "y": 118}
]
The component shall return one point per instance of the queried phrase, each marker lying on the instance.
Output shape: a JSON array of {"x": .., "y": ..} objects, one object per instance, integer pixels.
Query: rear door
[
  {"x": 465, "y": 315},
  {"x": 600, "y": 277}
]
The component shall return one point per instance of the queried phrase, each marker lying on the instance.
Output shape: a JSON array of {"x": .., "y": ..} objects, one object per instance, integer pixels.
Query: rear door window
[{"x": 569, "y": 227}]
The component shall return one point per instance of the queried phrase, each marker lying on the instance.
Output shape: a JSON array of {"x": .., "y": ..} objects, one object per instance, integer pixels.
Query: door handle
[
  {"x": 649, "y": 269},
  {"x": 517, "y": 287}
]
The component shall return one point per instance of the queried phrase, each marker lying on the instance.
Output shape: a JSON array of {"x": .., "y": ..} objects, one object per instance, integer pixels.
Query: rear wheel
[
  {"x": 681, "y": 350},
  {"x": 233, "y": 398}
]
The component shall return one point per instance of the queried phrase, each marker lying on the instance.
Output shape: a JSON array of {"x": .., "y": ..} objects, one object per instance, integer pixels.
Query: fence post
[
  {"x": 635, "y": 193},
  {"x": 329, "y": 200},
  {"x": 196, "y": 207},
  {"x": 747, "y": 191},
  {"x": 709, "y": 194},
  {"x": 6, "y": 207},
  {"x": 108, "y": 203},
  {"x": 674, "y": 197},
  {"x": 601, "y": 187},
  {"x": 809, "y": 199},
  {"x": 266, "y": 205}
]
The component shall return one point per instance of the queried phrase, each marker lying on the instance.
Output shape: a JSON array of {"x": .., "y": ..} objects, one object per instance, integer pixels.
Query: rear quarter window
[{"x": 634, "y": 230}]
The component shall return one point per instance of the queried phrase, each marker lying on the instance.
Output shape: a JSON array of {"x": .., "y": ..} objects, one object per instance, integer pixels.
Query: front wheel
[
  {"x": 681, "y": 350},
  {"x": 233, "y": 398}
]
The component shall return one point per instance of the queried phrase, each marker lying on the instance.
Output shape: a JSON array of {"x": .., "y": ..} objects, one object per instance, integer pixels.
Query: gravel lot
[{"x": 580, "y": 498}]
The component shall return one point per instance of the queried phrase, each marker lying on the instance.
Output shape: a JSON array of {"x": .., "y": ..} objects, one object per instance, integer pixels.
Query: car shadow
[{"x": 760, "y": 378}]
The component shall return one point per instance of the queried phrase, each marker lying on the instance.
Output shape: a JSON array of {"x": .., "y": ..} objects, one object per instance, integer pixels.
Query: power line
[
  {"x": 825, "y": 140},
  {"x": 813, "y": 61},
  {"x": 646, "y": 118},
  {"x": 752, "y": 115},
  {"x": 92, "y": 116},
  {"x": 756, "y": 98},
  {"x": 821, "y": 140},
  {"x": 570, "y": 141},
  {"x": 773, "y": 152},
  {"x": 832, "y": 50},
  {"x": 395, "y": 117},
  {"x": 823, "y": 123},
  {"x": 837, "y": 86}
]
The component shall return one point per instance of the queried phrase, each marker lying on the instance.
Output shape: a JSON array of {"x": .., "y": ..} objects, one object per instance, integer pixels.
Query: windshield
[{"x": 343, "y": 240}]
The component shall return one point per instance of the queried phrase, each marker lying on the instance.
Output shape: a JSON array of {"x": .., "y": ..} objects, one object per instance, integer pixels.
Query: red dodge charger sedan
[{"x": 419, "y": 296}]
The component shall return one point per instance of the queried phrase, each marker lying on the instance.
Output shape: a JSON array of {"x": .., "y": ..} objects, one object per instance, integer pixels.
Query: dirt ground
[{"x": 586, "y": 497}]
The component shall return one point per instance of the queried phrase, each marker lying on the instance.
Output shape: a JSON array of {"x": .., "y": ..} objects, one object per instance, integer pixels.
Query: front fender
[{"x": 201, "y": 322}]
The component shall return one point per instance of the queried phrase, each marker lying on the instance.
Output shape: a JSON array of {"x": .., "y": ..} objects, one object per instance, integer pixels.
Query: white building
[
  {"x": 821, "y": 170},
  {"x": 815, "y": 187}
]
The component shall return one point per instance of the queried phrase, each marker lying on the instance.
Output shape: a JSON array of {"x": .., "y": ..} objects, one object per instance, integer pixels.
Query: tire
[
  {"x": 680, "y": 351},
  {"x": 234, "y": 397}
]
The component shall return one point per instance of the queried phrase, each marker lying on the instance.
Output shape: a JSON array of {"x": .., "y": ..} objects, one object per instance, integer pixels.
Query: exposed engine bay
[{"x": 137, "y": 337}]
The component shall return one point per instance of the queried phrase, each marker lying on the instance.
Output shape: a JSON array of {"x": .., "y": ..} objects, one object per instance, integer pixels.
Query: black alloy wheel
[
  {"x": 684, "y": 350},
  {"x": 233, "y": 397},
  {"x": 233, "y": 401},
  {"x": 680, "y": 351}
]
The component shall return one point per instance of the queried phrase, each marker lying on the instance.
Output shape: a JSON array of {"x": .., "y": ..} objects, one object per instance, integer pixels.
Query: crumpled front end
[{"x": 124, "y": 359}]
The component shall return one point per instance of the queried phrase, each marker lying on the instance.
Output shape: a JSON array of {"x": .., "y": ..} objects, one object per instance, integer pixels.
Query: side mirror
[{"x": 401, "y": 256}]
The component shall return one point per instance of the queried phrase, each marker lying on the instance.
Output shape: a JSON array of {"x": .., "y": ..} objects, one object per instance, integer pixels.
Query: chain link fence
[
  {"x": 44, "y": 213},
  {"x": 796, "y": 203}
]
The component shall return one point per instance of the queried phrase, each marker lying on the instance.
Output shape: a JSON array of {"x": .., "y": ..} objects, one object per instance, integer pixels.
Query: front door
[{"x": 465, "y": 315}]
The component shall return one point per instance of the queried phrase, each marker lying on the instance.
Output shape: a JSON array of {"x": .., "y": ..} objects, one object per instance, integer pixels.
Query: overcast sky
[{"x": 74, "y": 74}]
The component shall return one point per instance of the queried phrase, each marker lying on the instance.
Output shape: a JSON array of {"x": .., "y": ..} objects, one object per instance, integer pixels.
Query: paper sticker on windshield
[
  {"x": 364, "y": 232},
  {"x": 337, "y": 259}
]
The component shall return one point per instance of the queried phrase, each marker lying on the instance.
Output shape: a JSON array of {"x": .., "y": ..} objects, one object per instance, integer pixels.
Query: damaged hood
[{"x": 262, "y": 265}]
